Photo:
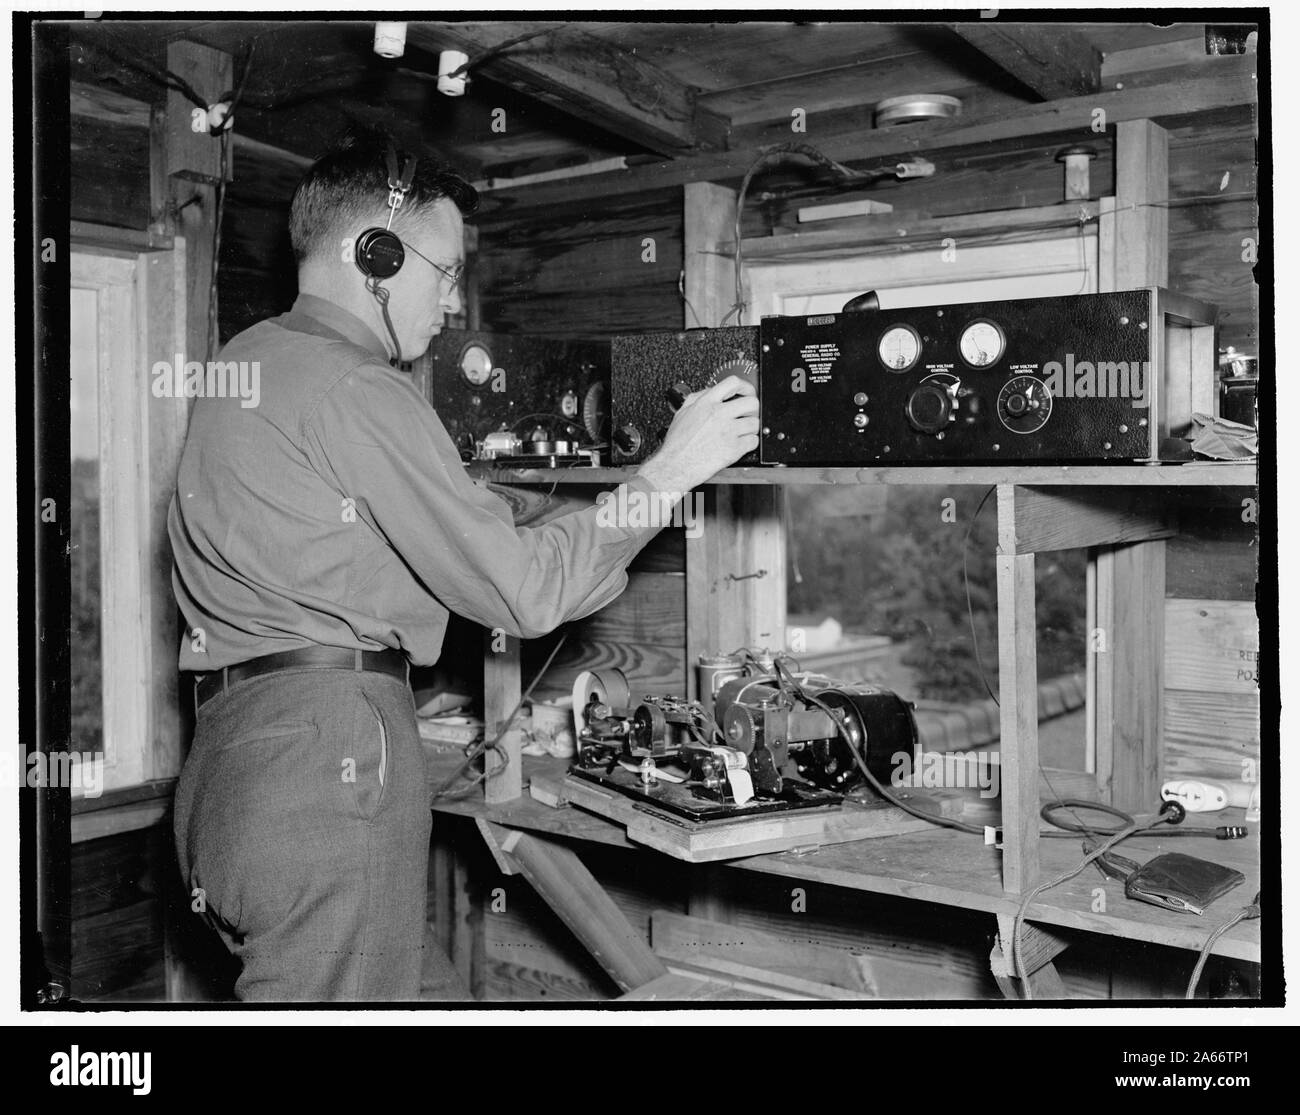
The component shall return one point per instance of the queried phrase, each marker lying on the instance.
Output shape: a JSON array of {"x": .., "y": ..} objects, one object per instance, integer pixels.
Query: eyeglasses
[{"x": 452, "y": 276}]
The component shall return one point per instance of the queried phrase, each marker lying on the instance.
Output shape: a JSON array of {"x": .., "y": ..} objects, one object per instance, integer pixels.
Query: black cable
[
  {"x": 380, "y": 295},
  {"x": 163, "y": 77},
  {"x": 777, "y": 153},
  {"x": 509, "y": 44},
  {"x": 505, "y": 727}
]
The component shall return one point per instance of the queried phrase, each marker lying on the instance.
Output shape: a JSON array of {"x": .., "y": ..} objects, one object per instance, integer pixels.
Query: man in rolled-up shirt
[{"x": 321, "y": 539}]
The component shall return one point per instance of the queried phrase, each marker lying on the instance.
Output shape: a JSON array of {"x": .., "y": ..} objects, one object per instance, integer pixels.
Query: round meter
[
  {"x": 476, "y": 364},
  {"x": 982, "y": 343},
  {"x": 899, "y": 348}
]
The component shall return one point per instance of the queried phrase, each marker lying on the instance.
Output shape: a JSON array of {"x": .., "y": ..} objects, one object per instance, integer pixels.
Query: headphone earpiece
[{"x": 378, "y": 253}]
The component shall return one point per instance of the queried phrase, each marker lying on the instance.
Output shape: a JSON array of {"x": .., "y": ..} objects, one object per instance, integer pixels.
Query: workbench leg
[
  {"x": 1038, "y": 948},
  {"x": 501, "y": 692},
  {"x": 568, "y": 888},
  {"x": 1018, "y": 688}
]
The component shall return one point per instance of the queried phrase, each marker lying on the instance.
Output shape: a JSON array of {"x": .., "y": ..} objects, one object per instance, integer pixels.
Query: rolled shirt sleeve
[{"x": 377, "y": 439}]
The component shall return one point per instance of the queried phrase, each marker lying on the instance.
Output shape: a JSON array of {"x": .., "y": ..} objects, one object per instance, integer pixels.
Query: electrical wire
[
  {"x": 1017, "y": 957},
  {"x": 1129, "y": 828},
  {"x": 214, "y": 333},
  {"x": 485, "y": 746},
  {"x": 778, "y": 153},
  {"x": 970, "y": 608},
  {"x": 1246, "y": 913},
  {"x": 509, "y": 44}
]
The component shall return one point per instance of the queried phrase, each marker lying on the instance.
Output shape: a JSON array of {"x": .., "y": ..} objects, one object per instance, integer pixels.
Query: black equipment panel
[
  {"x": 1043, "y": 379},
  {"x": 481, "y": 382},
  {"x": 647, "y": 367}
]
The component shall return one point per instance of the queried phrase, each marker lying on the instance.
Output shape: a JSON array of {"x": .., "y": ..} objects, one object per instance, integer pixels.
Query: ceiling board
[{"x": 713, "y": 57}]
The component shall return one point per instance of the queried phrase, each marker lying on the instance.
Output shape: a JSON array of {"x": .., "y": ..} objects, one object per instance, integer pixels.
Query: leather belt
[{"x": 392, "y": 662}]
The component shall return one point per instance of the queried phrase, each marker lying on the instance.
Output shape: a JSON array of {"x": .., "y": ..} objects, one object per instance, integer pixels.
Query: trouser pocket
[{"x": 370, "y": 757}]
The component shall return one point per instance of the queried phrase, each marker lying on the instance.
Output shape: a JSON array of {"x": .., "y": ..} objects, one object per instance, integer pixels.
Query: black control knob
[
  {"x": 627, "y": 439},
  {"x": 930, "y": 408}
]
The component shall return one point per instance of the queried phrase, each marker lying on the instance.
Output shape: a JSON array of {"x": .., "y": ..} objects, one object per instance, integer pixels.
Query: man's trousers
[{"x": 302, "y": 831}]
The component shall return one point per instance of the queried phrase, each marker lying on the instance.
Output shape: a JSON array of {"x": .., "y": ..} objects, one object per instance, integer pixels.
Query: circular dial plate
[
  {"x": 740, "y": 365},
  {"x": 1024, "y": 405},
  {"x": 899, "y": 348},
  {"x": 982, "y": 344},
  {"x": 476, "y": 364}
]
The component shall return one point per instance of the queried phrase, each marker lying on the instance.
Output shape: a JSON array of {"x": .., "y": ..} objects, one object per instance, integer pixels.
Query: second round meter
[
  {"x": 982, "y": 343},
  {"x": 899, "y": 348}
]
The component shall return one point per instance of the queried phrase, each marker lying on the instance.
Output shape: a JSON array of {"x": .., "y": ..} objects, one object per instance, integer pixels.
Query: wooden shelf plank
[
  {"x": 945, "y": 867},
  {"x": 1192, "y": 474}
]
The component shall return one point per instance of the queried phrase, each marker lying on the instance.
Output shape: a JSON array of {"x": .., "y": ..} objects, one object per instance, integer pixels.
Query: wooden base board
[{"x": 709, "y": 841}]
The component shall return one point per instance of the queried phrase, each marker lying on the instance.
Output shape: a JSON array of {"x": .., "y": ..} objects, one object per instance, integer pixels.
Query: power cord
[
  {"x": 1246, "y": 913},
  {"x": 485, "y": 746}
]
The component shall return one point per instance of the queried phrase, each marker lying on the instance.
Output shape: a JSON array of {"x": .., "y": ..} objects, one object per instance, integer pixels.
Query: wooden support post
[
  {"x": 735, "y": 574},
  {"x": 710, "y": 278},
  {"x": 1018, "y": 698},
  {"x": 501, "y": 692},
  {"x": 565, "y": 884},
  {"x": 191, "y": 167},
  {"x": 1134, "y": 228},
  {"x": 1127, "y": 604},
  {"x": 1128, "y": 643},
  {"x": 1038, "y": 948}
]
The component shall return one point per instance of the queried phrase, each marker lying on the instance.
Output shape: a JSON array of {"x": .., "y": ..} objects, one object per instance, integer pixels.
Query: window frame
[{"x": 141, "y": 282}]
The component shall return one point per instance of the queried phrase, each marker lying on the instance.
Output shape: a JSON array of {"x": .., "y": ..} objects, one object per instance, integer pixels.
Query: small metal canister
[{"x": 714, "y": 670}]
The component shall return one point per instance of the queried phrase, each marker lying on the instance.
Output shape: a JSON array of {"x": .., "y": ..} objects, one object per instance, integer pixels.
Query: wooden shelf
[
  {"x": 1192, "y": 474},
  {"x": 941, "y": 866}
]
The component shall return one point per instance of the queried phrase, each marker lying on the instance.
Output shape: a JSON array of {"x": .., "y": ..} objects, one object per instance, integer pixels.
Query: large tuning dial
[{"x": 932, "y": 406}]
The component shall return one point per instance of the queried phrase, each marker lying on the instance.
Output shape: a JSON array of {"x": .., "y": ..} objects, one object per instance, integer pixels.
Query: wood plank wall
[{"x": 1212, "y": 644}]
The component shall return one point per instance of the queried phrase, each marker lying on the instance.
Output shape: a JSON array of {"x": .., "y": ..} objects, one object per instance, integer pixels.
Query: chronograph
[{"x": 899, "y": 348}]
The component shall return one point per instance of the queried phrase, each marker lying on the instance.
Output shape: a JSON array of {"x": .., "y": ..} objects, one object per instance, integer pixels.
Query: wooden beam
[
  {"x": 1018, "y": 699},
  {"x": 1075, "y": 115},
  {"x": 1038, "y": 950},
  {"x": 1128, "y": 582},
  {"x": 899, "y": 233},
  {"x": 564, "y": 883},
  {"x": 1224, "y": 475},
  {"x": 587, "y": 77},
  {"x": 1134, "y": 228},
  {"x": 1051, "y": 60},
  {"x": 735, "y": 574},
  {"x": 501, "y": 692},
  {"x": 1034, "y": 519},
  {"x": 710, "y": 278},
  {"x": 1128, "y": 642},
  {"x": 195, "y": 152}
]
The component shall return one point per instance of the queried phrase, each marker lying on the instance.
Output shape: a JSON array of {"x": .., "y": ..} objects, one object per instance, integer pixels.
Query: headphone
[{"x": 378, "y": 252}]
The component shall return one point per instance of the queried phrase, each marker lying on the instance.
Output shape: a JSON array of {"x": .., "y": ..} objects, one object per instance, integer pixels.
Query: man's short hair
[{"x": 349, "y": 185}]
